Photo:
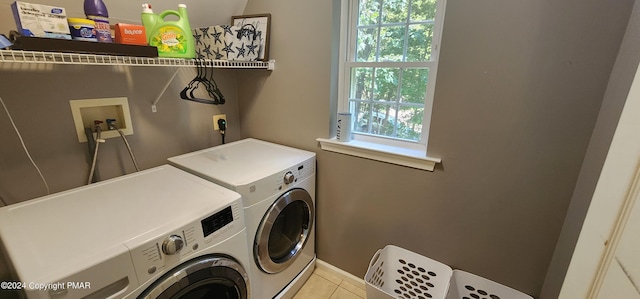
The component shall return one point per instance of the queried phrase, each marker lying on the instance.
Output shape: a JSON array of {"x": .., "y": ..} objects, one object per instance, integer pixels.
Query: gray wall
[
  {"x": 37, "y": 97},
  {"x": 518, "y": 94},
  {"x": 620, "y": 81}
]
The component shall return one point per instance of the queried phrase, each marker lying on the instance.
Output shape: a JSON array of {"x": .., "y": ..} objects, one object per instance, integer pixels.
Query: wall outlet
[
  {"x": 86, "y": 111},
  {"x": 215, "y": 121}
]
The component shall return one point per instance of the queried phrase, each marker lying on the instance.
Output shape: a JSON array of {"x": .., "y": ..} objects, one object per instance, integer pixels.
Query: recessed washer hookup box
[{"x": 40, "y": 20}]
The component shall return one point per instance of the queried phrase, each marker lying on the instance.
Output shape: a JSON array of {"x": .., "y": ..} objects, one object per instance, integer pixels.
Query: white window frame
[{"x": 401, "y": 152}]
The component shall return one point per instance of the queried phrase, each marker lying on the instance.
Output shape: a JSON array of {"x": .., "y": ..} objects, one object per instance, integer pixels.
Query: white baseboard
[{"x": 344, "y": 275}]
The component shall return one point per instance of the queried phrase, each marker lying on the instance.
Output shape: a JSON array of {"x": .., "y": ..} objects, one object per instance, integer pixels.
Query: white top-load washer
[
  {"x": 277, "y": 184},
  {"x": 158, "y": 233}
]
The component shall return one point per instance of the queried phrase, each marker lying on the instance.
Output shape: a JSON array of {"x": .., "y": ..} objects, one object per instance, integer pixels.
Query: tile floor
[{"x": 324, "y": 285}]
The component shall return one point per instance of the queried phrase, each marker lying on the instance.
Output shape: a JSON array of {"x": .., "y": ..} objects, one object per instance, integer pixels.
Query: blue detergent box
[{"x": 40, "y": 20}]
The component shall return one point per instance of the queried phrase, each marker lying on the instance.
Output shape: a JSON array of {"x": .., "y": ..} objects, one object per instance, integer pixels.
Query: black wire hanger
[{"x": 203, "y": 77}]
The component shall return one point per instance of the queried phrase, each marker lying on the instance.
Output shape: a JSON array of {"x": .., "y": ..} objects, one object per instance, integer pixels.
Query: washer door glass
[
  {"x": 284, "y": 231},
  {"x": 202, "y": 278}
]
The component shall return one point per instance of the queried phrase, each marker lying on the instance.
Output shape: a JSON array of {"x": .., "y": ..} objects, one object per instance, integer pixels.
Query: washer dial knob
[
  {"x": 289, "y": 178},
  {"x": 172, "y": 245}
]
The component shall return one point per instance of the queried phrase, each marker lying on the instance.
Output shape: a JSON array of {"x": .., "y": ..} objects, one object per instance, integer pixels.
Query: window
[{"x": 388, "y": 67}]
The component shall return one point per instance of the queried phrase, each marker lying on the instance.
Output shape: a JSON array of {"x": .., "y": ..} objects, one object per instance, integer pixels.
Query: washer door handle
[{"x": 293, "y": 200}]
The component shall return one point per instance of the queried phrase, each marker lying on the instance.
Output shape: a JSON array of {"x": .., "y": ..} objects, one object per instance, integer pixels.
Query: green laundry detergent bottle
[{"x": 172, "y": 38}]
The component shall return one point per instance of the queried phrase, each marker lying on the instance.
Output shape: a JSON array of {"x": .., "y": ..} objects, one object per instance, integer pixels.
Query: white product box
[{"x": 40, "y": 20}]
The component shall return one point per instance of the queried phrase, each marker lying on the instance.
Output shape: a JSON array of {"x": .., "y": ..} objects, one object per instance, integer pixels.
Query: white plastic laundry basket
[
  {"x": 465, "y": 285},
  {"x": 395, "y": 272}
]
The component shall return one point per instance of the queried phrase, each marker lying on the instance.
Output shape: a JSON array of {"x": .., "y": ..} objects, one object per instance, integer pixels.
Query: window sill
[{"x": 378, "y": 152}]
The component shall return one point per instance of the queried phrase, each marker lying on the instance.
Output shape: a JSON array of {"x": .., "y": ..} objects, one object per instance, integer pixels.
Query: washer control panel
[
  {"x": 275, "y": 183},
  {"x": 296, "y": 173},
  {"x": 166, "y": 251}
]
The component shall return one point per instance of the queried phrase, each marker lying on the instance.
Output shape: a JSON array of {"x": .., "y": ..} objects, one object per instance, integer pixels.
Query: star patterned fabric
[
  {"x": 205, "y": 31},
  {"x": 198, "y": 38},
  {"x": 241, "y": 51},
  {"x": 251, "y": 48},
  {"x": 226, "y": 42},
  {"x": 216, "y": 36}
]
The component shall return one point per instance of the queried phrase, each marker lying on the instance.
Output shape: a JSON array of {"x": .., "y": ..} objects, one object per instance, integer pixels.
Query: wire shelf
[{"x": 93, "y": 59}]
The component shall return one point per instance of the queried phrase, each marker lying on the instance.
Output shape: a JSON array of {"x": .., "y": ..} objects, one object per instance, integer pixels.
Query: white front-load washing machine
[
  {"x": 159, "y": 233},
  {"x": 277, "y": 184}
]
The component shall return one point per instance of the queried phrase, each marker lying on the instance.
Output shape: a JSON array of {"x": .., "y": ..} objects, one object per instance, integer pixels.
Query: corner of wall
[{"x": 613, "y": 102}]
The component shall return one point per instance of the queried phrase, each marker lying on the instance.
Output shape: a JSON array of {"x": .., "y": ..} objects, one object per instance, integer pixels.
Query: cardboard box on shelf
[
  {"x": 40, "y": 20},
  {"x": 130, "y": 34}
]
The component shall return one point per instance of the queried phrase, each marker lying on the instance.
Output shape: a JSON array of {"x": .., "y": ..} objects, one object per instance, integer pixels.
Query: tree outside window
[{"x": 389, "y": 68}]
